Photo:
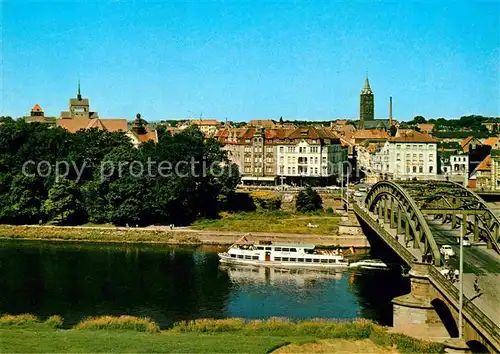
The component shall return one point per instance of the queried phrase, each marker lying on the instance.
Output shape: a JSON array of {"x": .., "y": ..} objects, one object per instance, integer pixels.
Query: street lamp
[{"x": 461, "y": 278}]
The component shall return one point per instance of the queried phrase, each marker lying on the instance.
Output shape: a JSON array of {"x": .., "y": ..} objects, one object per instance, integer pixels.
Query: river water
[{"x": 170, "y": 284}]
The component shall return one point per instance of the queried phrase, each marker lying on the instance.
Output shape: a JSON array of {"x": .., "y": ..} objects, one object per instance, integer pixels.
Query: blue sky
[{"x": 251, "y": 59}]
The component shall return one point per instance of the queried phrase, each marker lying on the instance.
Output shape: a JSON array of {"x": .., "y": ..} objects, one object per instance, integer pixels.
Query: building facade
[
  {"x": 275, "y": 156},
  {"x": 409, "y": 155},
  {"x": 366, "y": 105}
]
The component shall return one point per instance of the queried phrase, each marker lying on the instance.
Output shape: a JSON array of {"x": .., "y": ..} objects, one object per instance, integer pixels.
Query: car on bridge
[
  {"x": 446, "y": 250},
  {"x": 466, "y": 242}
]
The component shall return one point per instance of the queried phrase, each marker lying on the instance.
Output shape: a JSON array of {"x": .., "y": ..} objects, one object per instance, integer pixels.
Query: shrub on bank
[
  {"x": 54, "y": 321},
  {"x": 19, "y": 320},
  {"x": 139, "y": 324}
]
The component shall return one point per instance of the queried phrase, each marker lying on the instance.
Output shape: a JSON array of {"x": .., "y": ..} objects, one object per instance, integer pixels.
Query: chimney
[{"x": 390, "y": 111}]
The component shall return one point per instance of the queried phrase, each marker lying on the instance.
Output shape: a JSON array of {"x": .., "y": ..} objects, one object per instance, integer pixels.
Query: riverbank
[
  {"x": 26, "y": 333},
  {"x": 163, "y": 235}
]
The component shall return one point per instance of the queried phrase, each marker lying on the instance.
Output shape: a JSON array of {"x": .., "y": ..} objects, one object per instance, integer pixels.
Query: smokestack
[{"x": 390, "y": 111}]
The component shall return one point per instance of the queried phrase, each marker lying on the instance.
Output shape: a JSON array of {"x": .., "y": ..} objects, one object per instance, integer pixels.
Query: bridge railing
[
  {"x": 471, "y": 311},
  {"x": 393, "y": 243}
]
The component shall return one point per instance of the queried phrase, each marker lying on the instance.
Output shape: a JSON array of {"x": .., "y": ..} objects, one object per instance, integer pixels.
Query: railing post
[
  {"x": 400, "y": 214},
  {"x": 476, "y": 228},
  {"x": 386, "y": 210},
  {"x": 393, "y": 214}
]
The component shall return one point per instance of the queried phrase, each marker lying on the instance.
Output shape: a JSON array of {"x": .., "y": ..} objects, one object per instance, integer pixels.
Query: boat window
[
  {"x": 293, "y": 250},
  {"x": 240, "y": 256},
  {"x": 308, "y": 260},
  {"x": 324, "y": 261},
  {"x": 332, "y": 261},
  {"x": 260, "y": 248},
  {"x": 268, "y": 248},
  {"x": 277, "y": 249},
  {"x": 300, "y": 259},
  {"x": 277, "y": 258},
  {"x": 286, "y": 250},
  {"x": 255, "y": 257},
  {"x": 316, "y": 260},
  {"x": 285, "y": 259},
  {"x": 293, "y": 259},
  {"x": 233, "y": 256},
  {"x": 248, "y": 257}
]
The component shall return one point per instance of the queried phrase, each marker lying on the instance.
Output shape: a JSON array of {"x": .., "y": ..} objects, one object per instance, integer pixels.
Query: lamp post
[{"x": 461, "y": 280}]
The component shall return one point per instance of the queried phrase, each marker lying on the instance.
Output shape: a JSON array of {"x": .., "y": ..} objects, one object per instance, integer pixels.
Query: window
[
  {"x": 421, "y": 169},
  {"x": 408, "y": 170},
  {"x": 414, "y": 169},
  {"x": 421, "y": 157},
  {"x": 240, "y": 256},
  {"x": 316, "y": 260},
  {"x": 293, "y": 259},
  {"x": 398, "y": 157},
  {"x": 289, "y": 170},
  {"x": 282, "y": 149},
  {"x": 293, "y": 250},
  {"x": 332, "y": 261},
  {"x": 300, "y": 259},
  {"x": 255, "y": 257},
  {"x": 431, "y": 168},
  {"x": 314, "y": 149},
  {"x": 308, "y": 260},
  {"x": 248, "y": 257},
  {"x": 277, "y": 249},
  {"x": 277, "y": 258},
  {"x": 284, "y": 259},
  {"x": 285, "y": 250},
  {"x": 233, "y": 256},
  {"x": 398, "y": 146},
  {"x": 324, "y": 260}
]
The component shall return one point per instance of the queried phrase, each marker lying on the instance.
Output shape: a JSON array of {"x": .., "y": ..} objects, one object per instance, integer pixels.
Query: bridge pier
[{"x": 413, "y": 313}]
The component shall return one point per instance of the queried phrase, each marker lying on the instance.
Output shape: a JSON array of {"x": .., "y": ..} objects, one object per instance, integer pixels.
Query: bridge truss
[{"x": 406, "y": 205}]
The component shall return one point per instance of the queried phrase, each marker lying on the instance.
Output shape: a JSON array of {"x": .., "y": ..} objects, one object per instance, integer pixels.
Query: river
[{"x": 170, "y": 284}]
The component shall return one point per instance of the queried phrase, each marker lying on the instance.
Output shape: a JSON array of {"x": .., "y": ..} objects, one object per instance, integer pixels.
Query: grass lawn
[
  {"x": 87, "y": 341},
  {"x": 281, "y": 221}
]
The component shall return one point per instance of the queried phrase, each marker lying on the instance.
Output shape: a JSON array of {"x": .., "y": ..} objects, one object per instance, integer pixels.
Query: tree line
[{"x": 93, "y": 188}]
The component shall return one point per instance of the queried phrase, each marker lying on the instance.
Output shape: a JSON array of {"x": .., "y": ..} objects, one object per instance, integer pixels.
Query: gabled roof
[
  {"x": 266, "y": 123},
  {"x": 370, "y": 134},
  {"x": 469, "y": 140},
  {"x": 36, "y": 108},
  {"x": 149, "y": 135},
  {"x": 426, "y": 126}
]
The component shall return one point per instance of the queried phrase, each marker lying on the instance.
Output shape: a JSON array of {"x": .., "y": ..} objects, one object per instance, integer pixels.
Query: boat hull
[{"x": 225, "y": 259}]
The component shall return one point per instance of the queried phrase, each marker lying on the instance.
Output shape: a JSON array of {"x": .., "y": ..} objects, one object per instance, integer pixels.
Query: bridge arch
[
  {"x": 385, "y": 191},
  {"x": 446, "y": 316}
]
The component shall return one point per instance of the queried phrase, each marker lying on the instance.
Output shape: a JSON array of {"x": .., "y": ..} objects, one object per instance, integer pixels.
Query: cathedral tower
[{"x": 366, "y": 105}]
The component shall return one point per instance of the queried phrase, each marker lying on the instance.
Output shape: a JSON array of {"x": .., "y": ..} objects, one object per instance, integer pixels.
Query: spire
[
  {"x": 367, "y": 89},
  {"x": 79, "y": 95}
]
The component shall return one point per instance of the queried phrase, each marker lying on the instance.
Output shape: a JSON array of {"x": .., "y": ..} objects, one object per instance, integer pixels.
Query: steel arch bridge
[{"x": 406, "y": 206}]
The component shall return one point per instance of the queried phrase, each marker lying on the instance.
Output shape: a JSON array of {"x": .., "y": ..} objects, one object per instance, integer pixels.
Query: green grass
[
  {"x": 79, "y": 234},
  {"x": 86, "y": 341},
  {"x": 25, "y": 333},
  {"x": 278, "y": 221}
]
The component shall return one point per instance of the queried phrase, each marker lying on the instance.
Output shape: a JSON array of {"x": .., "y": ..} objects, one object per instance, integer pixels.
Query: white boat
[
  {"x": 282, "y": 255},
  {"x": 369, "y": 264}
]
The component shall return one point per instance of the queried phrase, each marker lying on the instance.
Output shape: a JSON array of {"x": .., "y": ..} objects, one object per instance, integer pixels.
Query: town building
[
  {"x": 409, "y": 155},
  {"x": 37, "y": 115},
  {"x": 272, "y": 156},
  {"x": 139, "y": 133},
  {"x": 207, "y": 126},
  {"x": 493, "y": 125},
  {"x": 495, "y": 169},
  {"x": 454, "y": 166},
  {"x": 481, "y": 177},
  {"x": 426, "y": 128}
]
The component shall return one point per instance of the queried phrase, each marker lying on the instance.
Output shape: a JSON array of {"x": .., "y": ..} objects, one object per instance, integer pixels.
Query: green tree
[
  {"x": 308, "y": 200},
  {"x": 63, "y": 205}
]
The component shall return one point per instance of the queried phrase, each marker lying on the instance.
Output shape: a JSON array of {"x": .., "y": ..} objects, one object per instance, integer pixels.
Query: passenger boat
[{"x": 282, "y": 255}]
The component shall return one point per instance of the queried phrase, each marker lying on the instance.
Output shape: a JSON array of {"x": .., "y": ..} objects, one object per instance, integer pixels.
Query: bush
[
  {"x": 122, "y": 323},
  {"x": 308, "y": 200},
  {"x": 329, "y": 210},
  {"x": 18, "y": 320},
  {"x": 267, "y": 200},
  {"x": 54, "y": 321}
]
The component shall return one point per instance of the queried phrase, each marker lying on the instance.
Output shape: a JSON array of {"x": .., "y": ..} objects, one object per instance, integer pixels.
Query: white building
[{"x": 409, "y": 155}]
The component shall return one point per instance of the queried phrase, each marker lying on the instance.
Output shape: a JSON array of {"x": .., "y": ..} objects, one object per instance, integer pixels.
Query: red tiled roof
[
  {"x": 370, "y": 134},
  {"x": 466, "y": 141},
  {"x": 491, "y": 141},
  {"x": 485, "y": 165},
  {"x": 74, "y": 125},
  {"x": 36, "y": 108},
  {"x": 203, "y": 122},
  {"x": 413, "y": 137}
]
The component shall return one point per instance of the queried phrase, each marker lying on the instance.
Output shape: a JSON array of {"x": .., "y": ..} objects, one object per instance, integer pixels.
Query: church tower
[{"x": 366, "y": 105}]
